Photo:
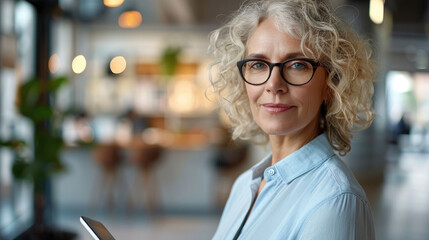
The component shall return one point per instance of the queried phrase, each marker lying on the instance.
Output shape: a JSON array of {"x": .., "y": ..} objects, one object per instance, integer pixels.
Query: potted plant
[
  {"x": 35, "y": 102},
  {"x": 170, "y": 60}
]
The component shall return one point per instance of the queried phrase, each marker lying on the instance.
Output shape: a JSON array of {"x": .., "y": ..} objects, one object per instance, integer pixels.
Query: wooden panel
[{"x": 156, "y": 69}]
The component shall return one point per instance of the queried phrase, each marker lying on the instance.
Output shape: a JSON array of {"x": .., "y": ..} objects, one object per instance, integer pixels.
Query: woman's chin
[{"x": 277, "y": 132}]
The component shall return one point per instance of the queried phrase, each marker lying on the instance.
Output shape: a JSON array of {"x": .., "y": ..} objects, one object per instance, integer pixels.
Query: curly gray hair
[{"x": 325, "y": 38}]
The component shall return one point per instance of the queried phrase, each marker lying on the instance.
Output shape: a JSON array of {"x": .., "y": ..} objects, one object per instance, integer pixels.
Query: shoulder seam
[{"x": 334, "y": 176}]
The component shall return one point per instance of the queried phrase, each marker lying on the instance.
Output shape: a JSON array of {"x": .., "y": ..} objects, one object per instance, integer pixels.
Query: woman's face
[{"x": 278, "y": 107}]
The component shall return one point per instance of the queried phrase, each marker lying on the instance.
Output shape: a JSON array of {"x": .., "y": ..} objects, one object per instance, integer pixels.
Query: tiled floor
[{"x": 400, "y": 203}]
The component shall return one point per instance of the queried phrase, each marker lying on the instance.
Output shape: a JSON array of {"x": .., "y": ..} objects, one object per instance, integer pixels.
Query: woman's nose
[{"x": 276, "y": 84}]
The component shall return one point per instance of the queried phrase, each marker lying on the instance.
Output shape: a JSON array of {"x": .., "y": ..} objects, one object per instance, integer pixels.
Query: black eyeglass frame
[{"x": 313, "y": 63}]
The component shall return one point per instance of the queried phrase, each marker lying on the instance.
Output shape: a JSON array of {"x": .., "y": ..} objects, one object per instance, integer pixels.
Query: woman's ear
[{"x": 328, "y": 93}]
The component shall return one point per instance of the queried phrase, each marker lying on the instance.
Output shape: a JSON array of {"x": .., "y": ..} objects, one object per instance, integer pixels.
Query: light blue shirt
[{"x": 310, "y": 194}]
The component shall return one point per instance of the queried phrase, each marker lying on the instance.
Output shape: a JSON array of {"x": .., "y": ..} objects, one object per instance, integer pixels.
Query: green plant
[
  {"x": 169, "y": 60},
  {"x": 35, "y": 102}
]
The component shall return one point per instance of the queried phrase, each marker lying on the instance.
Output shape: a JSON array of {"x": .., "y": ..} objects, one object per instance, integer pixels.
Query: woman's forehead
[{"x": 267, "y": 39}]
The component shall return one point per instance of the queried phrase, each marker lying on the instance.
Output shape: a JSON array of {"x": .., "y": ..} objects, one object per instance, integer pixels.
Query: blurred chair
[
  {"x": 145, "y": 157},
  {"x": 229, "y": 160},
  {"x": 108, "y": 157}
]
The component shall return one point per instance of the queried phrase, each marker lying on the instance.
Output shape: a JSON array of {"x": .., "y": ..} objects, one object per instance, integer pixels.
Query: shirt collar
[
  {"x": 303, "y": 160},
  {"x": 258, "y": 169}
]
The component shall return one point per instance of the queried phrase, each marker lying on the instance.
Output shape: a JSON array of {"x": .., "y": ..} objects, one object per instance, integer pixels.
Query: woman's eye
[
  {"x": 299, "y": 66},
  {"x": 258, "y": 66}
]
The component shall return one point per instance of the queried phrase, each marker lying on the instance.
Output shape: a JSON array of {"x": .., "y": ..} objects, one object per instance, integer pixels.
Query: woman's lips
[{"x": 276, "y": 108}]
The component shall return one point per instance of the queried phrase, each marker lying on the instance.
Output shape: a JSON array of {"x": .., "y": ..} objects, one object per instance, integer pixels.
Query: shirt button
[{"x": 271, "y": 171}]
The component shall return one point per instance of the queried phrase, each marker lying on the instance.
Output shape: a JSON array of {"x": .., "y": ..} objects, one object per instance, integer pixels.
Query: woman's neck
[{"x": 284, "y": 145}]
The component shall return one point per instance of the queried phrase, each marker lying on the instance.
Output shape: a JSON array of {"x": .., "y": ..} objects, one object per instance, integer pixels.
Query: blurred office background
[{"x": 146, "y": 149}]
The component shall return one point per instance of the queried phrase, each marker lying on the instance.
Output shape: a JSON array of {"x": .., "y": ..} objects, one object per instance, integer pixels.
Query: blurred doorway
[{"x": 408, "y": 110}]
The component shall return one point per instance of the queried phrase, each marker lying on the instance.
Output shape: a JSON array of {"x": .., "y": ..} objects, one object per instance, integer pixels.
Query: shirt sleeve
[{"x": 345, "y": 216}]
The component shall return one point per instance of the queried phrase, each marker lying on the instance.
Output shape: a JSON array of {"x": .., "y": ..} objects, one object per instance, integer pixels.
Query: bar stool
[
  {"x": 229, "y": 161},
  {"x": 145, "y": 157},
  {"x": 108, "y": 158}
]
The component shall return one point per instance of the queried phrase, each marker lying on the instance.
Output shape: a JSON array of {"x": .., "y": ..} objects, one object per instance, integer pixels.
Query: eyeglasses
[{"x": 297, "y": 71}]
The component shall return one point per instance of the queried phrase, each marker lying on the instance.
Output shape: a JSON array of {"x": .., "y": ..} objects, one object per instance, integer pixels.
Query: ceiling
[
  {"x": 158, "y": 12},
  {"x": 410, "y": 17}
]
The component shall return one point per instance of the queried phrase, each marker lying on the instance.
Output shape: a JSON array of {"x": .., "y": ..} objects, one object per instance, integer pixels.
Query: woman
[{"x": 292, "y": 74}]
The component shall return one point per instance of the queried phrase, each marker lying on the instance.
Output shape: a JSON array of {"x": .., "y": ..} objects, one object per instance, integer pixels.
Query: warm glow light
[
  {"x": 130, "y": 19},
  {"x": 118, "y": 64},
  {"x": 54, "y": 63},
  {"x": 376, "y": 11},
  {"x": 79, "y": 64},
  {"x": 182, "y": 97},
  {"x": 113, "y": 3}
]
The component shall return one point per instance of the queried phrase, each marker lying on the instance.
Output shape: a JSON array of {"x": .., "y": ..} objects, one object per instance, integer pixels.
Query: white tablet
[{"x": 97, "y": 230}]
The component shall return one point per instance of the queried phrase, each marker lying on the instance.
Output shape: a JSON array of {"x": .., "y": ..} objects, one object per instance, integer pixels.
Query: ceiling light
[
  {"x": 54, "y": 63},
  {"x": 79, "y": 64},
  {"x": 376, "y": 11},
  {"x": 113, "y": 3},
  {"x": 130, "y": 19},
  {"x": 118, "y": 64}
]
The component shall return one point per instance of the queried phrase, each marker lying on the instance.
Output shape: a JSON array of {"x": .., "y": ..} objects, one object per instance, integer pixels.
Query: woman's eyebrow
[
  {"x": 287, "y": 56},
  {"x": 294, "y": 55},
  {"x": 256, "y": 55}
]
